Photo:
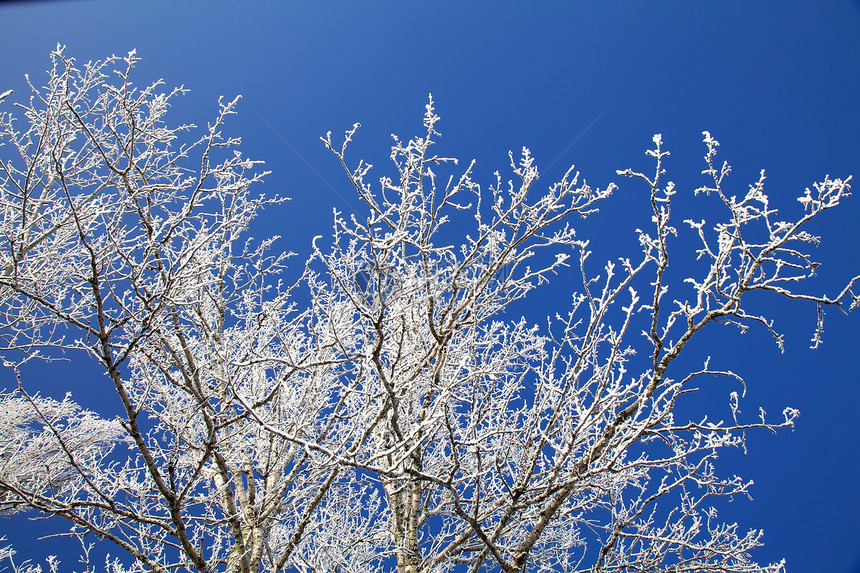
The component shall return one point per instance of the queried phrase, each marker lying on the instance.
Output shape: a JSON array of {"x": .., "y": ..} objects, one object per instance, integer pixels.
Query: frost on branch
[
  {"x": 382, "y": 411},
  {"x": 757, "y": 251},
  {"x": 48, "y": 446},
  {"x": 7, "y": 553}
]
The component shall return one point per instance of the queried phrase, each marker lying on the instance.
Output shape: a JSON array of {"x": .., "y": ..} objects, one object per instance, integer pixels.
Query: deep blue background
[{"x": 777, "y": 83}]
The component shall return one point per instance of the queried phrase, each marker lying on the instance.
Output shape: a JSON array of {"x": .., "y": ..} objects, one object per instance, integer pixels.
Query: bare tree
[{"x": 398, "y": 420}]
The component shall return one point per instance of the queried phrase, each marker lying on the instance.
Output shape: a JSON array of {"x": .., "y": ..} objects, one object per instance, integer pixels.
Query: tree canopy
[{"x": 378, "y": 409}]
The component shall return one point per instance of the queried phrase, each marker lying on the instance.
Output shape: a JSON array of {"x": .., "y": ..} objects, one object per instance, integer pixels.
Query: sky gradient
[{"x": 584, "y": 83}]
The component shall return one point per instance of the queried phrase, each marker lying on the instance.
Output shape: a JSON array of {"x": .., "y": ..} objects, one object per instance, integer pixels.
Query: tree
[{"x": 380, "y": 411}]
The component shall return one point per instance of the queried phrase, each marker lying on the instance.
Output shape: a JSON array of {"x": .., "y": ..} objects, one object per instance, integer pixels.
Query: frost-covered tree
[{"x": 382, "y": 411}]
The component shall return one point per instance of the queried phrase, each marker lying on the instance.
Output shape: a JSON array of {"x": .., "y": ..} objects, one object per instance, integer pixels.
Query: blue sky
[{"x": 585, "y": 83}]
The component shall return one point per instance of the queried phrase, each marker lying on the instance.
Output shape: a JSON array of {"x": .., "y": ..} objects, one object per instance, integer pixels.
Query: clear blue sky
[{"x": 778, "y": 83}]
